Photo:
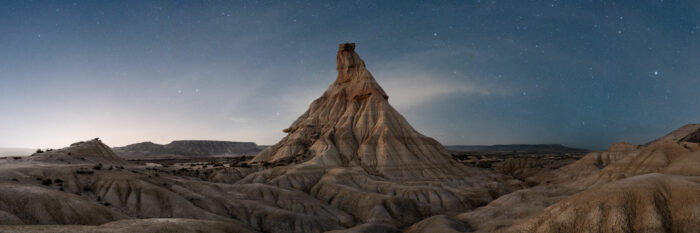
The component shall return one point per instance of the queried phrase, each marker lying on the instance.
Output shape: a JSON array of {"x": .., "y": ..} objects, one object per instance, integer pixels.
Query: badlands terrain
[{"x": 352, "y": 163}]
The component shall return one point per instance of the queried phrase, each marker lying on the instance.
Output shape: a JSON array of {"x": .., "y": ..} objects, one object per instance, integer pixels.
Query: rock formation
[
  {"x": 87, "y": 152},
  {"x": 353, "y": 124},
  {"x": 645, "y": 203},
  {"x": 628, "y": 188},
  {"x": 351, "y": 146},
  {"x": 689, "y": 133}
]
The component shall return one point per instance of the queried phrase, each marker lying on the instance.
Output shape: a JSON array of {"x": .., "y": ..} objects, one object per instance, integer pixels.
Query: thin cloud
[
  {"x": 417, "y": 79},
  {"x": 408, "y": 92}
]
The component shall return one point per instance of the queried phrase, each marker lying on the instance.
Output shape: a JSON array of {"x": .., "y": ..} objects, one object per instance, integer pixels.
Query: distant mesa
[
  {"x": 183, "y": 149},
  {"x": 542, "y": 148}
]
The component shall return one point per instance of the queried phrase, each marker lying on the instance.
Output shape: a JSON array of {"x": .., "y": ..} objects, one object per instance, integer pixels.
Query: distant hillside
[
  {"x": 4, "y": 151},
  {"x": 514, "y": 147},
  {"x": 186, "y": 149}
]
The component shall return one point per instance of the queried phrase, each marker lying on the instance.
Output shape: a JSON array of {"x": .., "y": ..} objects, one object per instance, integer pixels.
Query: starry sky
[{"x": 580, "y": 73}]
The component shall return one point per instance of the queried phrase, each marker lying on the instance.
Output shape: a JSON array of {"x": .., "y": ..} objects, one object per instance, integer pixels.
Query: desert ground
[{"x": 352, "y": 163}]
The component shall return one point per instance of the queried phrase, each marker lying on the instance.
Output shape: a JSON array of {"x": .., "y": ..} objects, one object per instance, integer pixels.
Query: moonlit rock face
[{"x": 353, "y": 124}]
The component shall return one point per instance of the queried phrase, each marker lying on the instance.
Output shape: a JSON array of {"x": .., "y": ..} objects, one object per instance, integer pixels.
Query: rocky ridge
[{"x": 183, "y": 149}]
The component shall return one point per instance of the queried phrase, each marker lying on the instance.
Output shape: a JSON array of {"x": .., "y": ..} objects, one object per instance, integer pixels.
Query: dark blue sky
[{"x": 579, "y": 73}]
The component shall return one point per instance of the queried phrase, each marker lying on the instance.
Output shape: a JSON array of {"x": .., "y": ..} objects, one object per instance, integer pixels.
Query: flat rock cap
[{"x": 347, "y": 47}]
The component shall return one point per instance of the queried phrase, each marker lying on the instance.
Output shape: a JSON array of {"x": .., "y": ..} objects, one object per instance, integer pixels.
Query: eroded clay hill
[
  {"x": 628, "y": 188},
  {"x": 84, "y": 152}
]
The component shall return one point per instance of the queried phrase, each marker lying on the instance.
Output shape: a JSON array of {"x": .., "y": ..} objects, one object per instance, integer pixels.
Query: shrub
[
  {"x": 84, "y": 171},
  {"x": 47, "y": 182},
  {"x": 57, "y": 181},
  {"x": 39, "y": 151}
]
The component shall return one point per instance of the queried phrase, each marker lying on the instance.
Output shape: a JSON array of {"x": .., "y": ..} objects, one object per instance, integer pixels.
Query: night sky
[{"x": 580, "y": 73}]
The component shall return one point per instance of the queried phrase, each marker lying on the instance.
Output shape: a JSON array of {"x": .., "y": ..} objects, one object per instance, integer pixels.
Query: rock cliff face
[{"x": 186, "y": 149}]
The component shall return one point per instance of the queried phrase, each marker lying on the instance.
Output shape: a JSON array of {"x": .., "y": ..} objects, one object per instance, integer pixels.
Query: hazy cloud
[
  {"x": 408, "y": 91},
  {"x": 418, "y": 78}
]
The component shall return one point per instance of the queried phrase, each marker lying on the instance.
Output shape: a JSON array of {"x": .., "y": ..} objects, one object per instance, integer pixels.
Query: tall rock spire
[{"x": 353, "y": 124}]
